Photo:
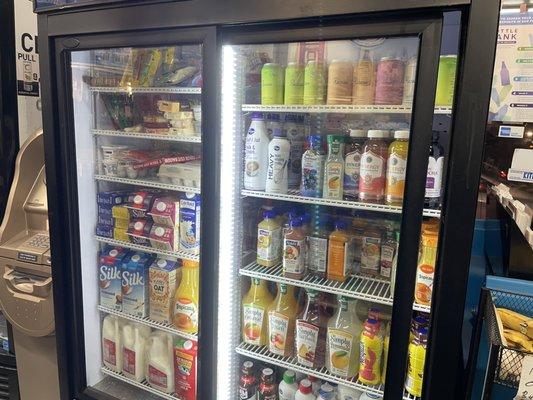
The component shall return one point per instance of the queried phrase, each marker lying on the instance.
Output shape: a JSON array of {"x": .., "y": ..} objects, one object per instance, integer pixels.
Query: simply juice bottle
[
  {"x": 269, "y": 240},
  {"x": 396, "y": 168},
  {"x": 186, "y": 298},
  {"x": 294, "y": 250},
  {"x": 340, "y": 252},
  {"x": 370, "y": 351},
  {"x": 281, "y": 321},
  {"x": 342, "y": 346},
  {"x": 311, "y": 329},
  {"x": 254, "y": 313},
  {"x": 334, "y": 168}
]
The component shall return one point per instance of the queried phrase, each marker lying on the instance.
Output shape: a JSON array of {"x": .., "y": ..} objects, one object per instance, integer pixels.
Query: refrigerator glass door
[
  {"x": 315, "y": 139},
  {"x": 137, "y": 118}
]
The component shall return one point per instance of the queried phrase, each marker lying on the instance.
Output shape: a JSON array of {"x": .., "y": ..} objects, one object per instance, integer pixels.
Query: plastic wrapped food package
[{"x": 186, "y": 174}]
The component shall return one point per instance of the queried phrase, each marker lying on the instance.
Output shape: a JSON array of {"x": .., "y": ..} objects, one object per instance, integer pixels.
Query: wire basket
[{"x": 509, "y": 360}]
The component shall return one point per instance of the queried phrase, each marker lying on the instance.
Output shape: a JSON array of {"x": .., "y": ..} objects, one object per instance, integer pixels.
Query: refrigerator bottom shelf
[
  {"x": 261, "y": 353},
  {"x": 142, "y": 385},
  {"x": 408, "y": 396}
]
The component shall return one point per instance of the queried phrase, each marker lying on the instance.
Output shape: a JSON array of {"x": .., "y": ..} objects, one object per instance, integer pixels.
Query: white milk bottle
[
  {"x": 134, "y": 339},
  {"x": 160, "y": 365},
  {"x": 305, "y": 391},
  {"x": 347, "y": 393},
  {"x": 296, "y": 136},
  {"x": 111, "y": 343},
  {"x": 288, "y": 386},
  {"x": 278, "y": 160},
  {"x": 255, "y": 154}
]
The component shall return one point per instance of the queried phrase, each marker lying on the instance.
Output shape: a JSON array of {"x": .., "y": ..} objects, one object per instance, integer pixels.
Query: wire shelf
[
  {"x": 147, "y": 321},
  {"x": 168, "y": 89},
  {"x": 341, "y": 109},
  {"x": 142, "y": 385},
  {"x": 173, "y": 254},
  {"x": 262, "y": 353},
  {"x": 147, "y": 183},
  {"x": 294, "y": 196},
  {"x": 357, "y": 287},
  {"x": 152, "y": 136}
]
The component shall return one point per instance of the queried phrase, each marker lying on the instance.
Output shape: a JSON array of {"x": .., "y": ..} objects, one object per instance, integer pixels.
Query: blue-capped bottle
[{"x": 313, "y": 167}]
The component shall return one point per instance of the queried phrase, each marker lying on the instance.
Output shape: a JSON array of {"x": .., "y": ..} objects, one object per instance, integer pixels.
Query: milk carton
[
  {"x": 162, "y": 286},
  {"x": 165, "y": 211},
  {"x": 139, "y": 231},
  {"x": 164, "y": 238},
  {"x": 185, "y": 359},
  {"x": 190, "y": 223},
  {"x": 110, "y": 277},
  {"x": 135, "y": 283}
]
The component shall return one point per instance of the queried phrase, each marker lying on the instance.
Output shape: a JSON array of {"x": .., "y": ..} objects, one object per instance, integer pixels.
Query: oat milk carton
[
  {"x": 189, "y": 225},
  {"x": 110, "y": 277},
  {"x": 135, "y": 283},
  {"x": 162, "y": 286}
]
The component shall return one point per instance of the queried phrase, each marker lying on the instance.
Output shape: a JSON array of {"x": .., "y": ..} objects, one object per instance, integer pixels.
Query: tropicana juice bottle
[
  {"x": 342, "y": 346},
  {"x": 254, "y": 313},
  {"x": 281, "y": 321},
  {"x": 340, "y": 252},
  {"x": 186, "y": 298},
  {"x": 426, "y": 268}
]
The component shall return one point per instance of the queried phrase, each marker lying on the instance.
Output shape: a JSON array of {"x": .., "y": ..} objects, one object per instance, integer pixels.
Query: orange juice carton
[
  {"x": 162, "y": 285},
  {"x": 135, "y": 283},
  {"x": 189, "y": 225},
  {"x": 110, "y": 277},
  {"x": 185, "y": 357},
  {"x": 165, "y": 211},
  {"x": 139, "y": 231},
  {"x": 164, "y": 238}
]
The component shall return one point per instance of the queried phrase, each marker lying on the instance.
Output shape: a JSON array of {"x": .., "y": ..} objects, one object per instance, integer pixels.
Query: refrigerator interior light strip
[{"x": 228, "y": 311}]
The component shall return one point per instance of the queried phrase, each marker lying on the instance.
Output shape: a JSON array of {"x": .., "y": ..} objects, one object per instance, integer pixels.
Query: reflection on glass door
[{"x": 137, "y": 117}]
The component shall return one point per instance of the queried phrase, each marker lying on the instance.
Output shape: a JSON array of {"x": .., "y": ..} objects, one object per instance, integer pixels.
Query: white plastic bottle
[
  {"x": 296, "y": 137},
  {"x": 288, "y": 386},
  {"x": 255, "y": 154},
  {"x": 112, "y": 343},
  {"x": 278, "y": 161},
  {"x": 160, "y": 364},
  {"x": 305, "y": 391},
  {"x": 315, "y": 383},
  {"x": 347, "y": 393},
  {"x": 326, "y": 392},
  {"x": 134, "y": 339},
  {"x": 370, "y": 396}
]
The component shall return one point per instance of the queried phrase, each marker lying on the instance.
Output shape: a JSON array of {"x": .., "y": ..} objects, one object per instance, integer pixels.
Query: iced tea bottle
[
  {"x": 311, "y": 331},
  {"x": 268, "y": 389}
]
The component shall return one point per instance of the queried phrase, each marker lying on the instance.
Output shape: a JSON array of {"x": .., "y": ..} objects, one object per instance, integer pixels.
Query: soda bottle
[
  {"x": 268, "y": 389},
  {"x": 248, "y": 382}
]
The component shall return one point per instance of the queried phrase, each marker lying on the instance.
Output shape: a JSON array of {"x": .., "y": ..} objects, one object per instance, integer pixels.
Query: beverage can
[
  {"x": 409, "y": 81},
  {"x": 314, "y": 83},
  {"x": 389, "y": 81},
  {"x": 271, "y": 84},
  {"x": 446, "y": 80},
  {"x": 294, "y": 83},
  {"x": 340, "y": 75}
]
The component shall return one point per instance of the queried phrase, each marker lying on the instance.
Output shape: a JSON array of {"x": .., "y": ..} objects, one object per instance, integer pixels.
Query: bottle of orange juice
[
  {"x": 186, "y": 298},
  {"x": 426, "y": 267},
  {"x": 254, "y": 313},
  {"x": 340, "y": 252},
  {"x": 281, "y": 321},
  {"x": 269, "y": 240}
]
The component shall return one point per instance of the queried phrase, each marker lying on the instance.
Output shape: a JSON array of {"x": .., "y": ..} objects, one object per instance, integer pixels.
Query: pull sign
[{"x": 525, "y": 388}]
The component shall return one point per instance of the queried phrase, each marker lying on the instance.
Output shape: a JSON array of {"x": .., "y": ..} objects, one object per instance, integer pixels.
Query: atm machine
[{"x": 26, "y": 275}]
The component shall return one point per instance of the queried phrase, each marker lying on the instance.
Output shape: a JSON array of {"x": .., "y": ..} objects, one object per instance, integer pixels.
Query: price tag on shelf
[{"x": 525, "y": 388}]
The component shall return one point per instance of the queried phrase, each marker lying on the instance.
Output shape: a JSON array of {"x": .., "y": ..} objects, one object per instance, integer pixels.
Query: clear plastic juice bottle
[
  {"x": 373, "y": 167},
  {"x": 371, "y": 251},
  {"x": 294, "y": 250},
  {"x": 281, "y": 321},
  {"x": 352, "y": 163},
  {"x": 396, "y": 168},
  {"x": 317, "y": 247},
  {"x": 186, "y": 298},
  {"x": 269, "y": 240},
  {"x": 254, "y": 313},
  {"x": 340, "y": 252}
]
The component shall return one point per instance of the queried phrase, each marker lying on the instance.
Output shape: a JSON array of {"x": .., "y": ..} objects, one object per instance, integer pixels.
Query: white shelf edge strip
[
  {"x": 344, "y": 109},
  {"x": 149, "y": 322},
  {"x": 421, "y": 308},
  {"x": 154, "y": 184},
  {"x": 141, "y": 89},
  {"x": 146, "y": 249},
  {"x": 262, "y": 354},
  {"x": 141, "y": 135},
  {"x": 142, "y": 385},
  {"x": 295, "y": 197}
]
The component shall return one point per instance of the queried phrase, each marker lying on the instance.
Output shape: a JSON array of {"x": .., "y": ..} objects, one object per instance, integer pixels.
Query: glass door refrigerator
[{"x": 333, "y": 145}]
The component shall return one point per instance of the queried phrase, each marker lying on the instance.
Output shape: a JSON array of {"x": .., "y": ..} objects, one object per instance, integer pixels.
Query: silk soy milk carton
[
  {"x": 110, "y": 277},
  {"x": 135, "y": 284},
  {"x": 163, "y": 276},
  {"x": 189, "y": 223}
]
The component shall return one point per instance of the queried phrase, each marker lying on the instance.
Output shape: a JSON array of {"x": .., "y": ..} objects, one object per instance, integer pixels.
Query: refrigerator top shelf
[
  {"x": 142, "y": 135},
  {"x": 147, "y": 321},
  {"x": 261, "y": 353},
  {"x": 131, "y": 90},
  {"x": 341, "y": 109},
  {"x": 128, "y": 245},
  {"x": 294, "y": 196},
  {"x": 142, "y": 385},
  {"x": 147, "y": 183}
]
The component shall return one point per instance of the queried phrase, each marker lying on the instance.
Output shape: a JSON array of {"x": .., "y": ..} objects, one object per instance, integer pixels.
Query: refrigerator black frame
[
  {"x": 63, "y": 207},
  {"x": 479, "y": 28}
]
